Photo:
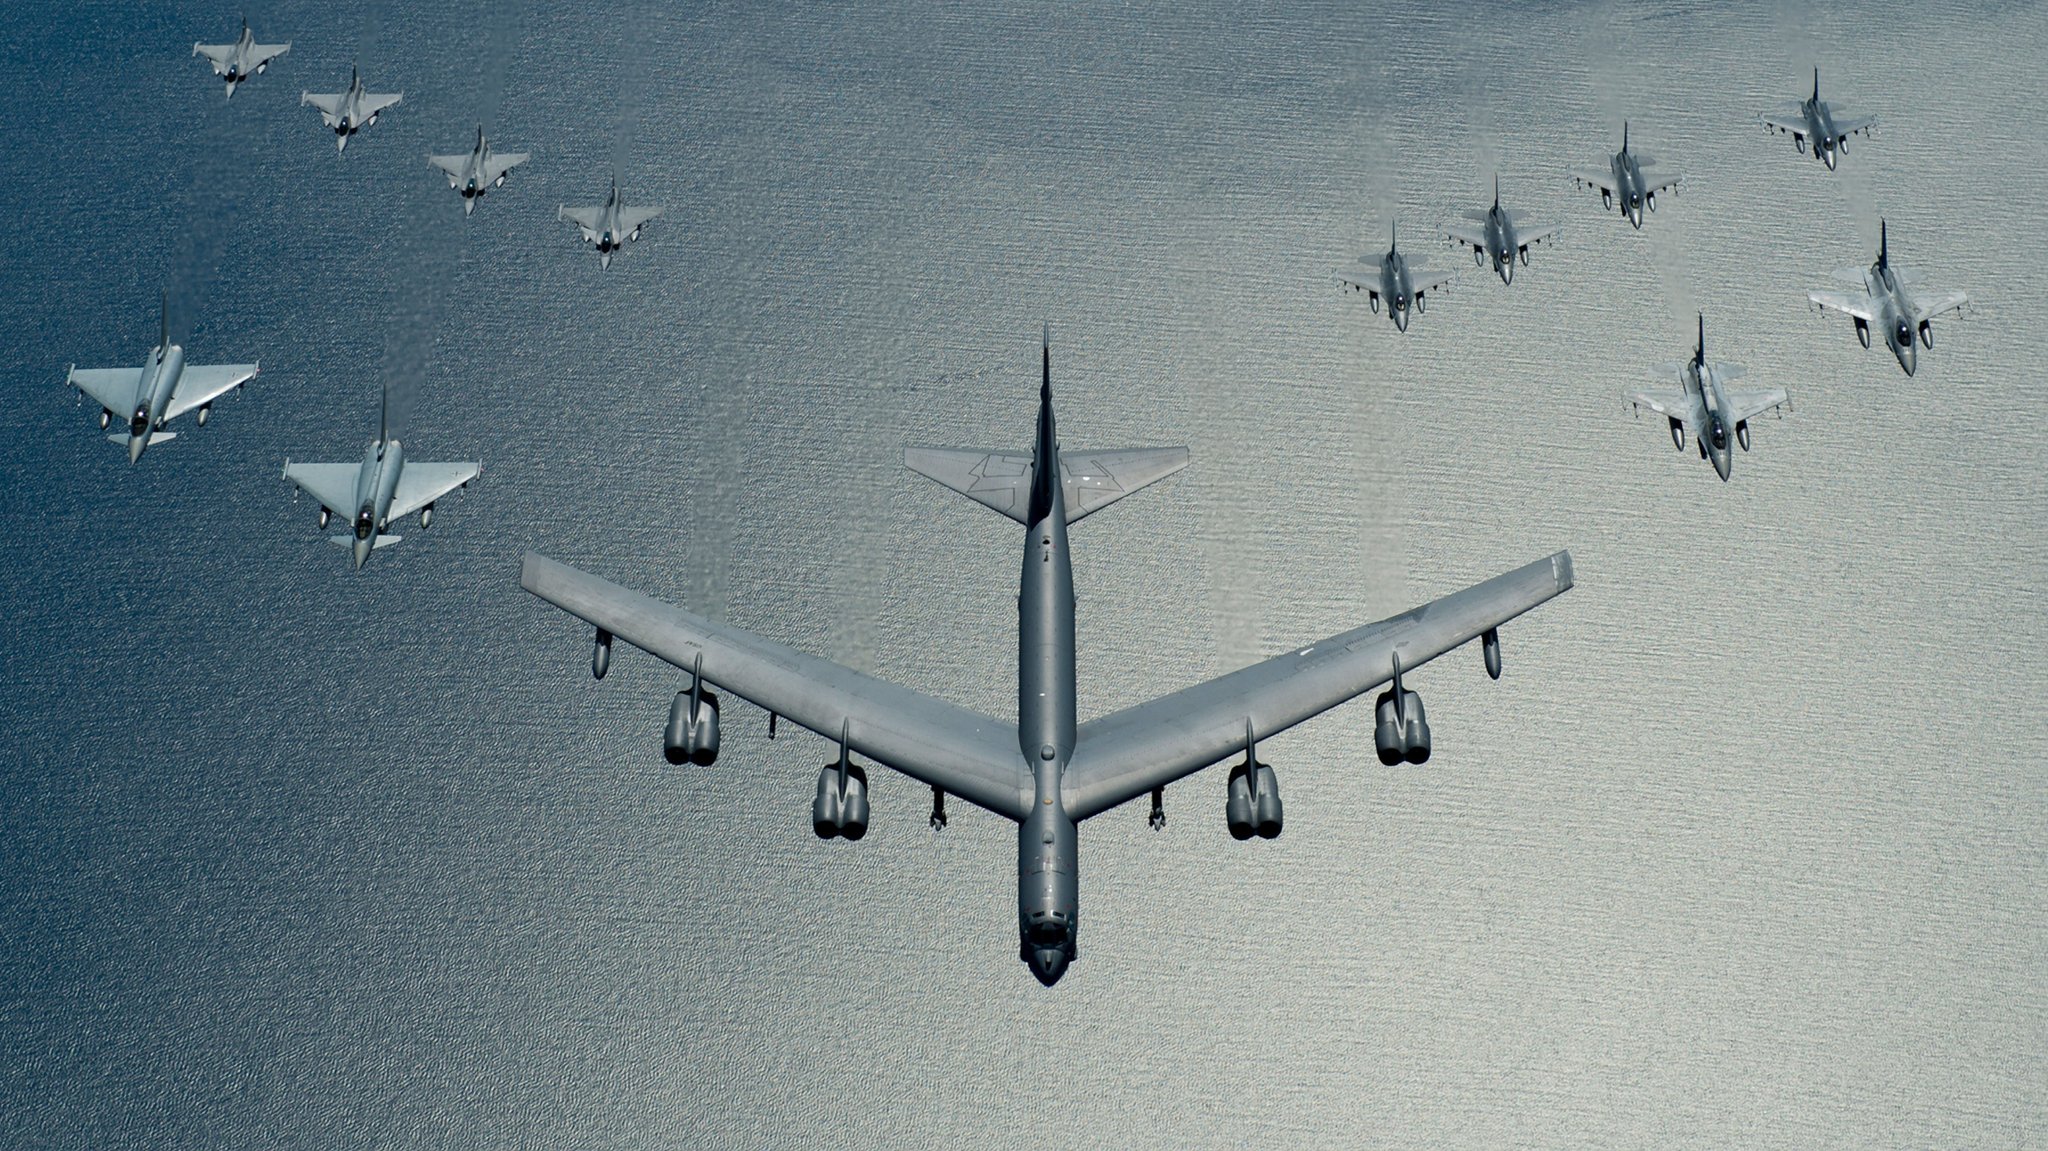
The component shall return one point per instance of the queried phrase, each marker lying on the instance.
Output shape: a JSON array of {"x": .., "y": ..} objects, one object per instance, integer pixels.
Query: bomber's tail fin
[{"x": 1002, "y": 481}]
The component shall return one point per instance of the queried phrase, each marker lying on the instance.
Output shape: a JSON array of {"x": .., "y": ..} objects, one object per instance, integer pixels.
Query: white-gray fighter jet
[
  {"x": 380, "y": 490},
  {"x": 1624, "y": 180},
  {"x": 351, "y": 111},
  {"x": 1719, "y": 418},
  {"x": 1048, "y": 771},
  {"x": 1395, "y": 280},
  {"x": 242, "y": 59},
  {"x": 609, "y": 225},
  {"x": 1812, "y": 124},
  {"x": 1892, "y": 299},
  {"x": 1498, "y": 238},
  {"x": 479, "y": 170},
  {"x": 162, "y": 389}
]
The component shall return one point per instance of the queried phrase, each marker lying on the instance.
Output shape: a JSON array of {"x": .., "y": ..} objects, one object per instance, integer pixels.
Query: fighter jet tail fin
[
  {"x": 1816, "y": 81},
  {"x": 1883, "y": 246}
]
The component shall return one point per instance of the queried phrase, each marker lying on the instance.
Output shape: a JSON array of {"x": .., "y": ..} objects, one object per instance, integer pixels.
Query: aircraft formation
[{"x": 1047, "y": 771}]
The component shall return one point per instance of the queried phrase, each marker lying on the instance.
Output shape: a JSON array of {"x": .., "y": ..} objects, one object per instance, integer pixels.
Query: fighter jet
[
  {"x": 380, "y": 490},
  {"x": 1498, "y": 238},
  {"x": 1893, "y": 300},
  {"x": 1048, "y": 772},
  {"x": 1814, "y": 123},
  {"x": 242, "y": 59},
  {"x": 1397, "y": 282},
  {"x": 162, "y": 389},
  {"x": 351, "y": 111},
  {"x": 1704, "y": 405},
  {"x": 479, "y": 171},
  {"x": 608, "y": 225},
  {"x": 1625, "y": 180}
]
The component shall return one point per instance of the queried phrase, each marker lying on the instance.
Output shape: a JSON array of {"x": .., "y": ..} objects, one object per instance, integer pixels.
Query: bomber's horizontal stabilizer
[
  {"x": 1002, "y": 480},
  {"x": 345, "y": 540},
  {"x": 155, "y": 438}
]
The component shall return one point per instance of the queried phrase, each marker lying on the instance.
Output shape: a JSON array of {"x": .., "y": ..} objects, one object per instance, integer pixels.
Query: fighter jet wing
[
  {"x": 1596, "y": 179},
  {"x": 938, "y": 743},
  {"x": 204, "y": 383},
  {"x": 1746, "y": 405},
  {"x": 114, "y": 388},
  {"x": 329, "y": 105},
  {"x": 261, "y": 54},
  {"x": 1789, "y": 123},
  {"x": 631, "y": 218},
  {"x": 454, "y": 166},
  {"x": 334, "y": 485},
  {"x": 1857, "y": 304},
  {"x": 1854, "y": 126},
  {"x": 1425, "y": 281},
  {"x": 1473, "y": 238},
  {"x": 1927, "y": 305},
  {"x": 1658, "y": 183},
  {"x": 501, "y": 163},
  {"x": 1120, "y": 757},
  {"x": 421, "y": 484},
  {"x": 1526, "y": 239},
  {"x": 588, "y": 219},
  {"x": 218, "y": 53},
  {"x": 1671, "y": 402},
  {"x": 1367, "y": 281},
  {"x": 375, "y": 102}
]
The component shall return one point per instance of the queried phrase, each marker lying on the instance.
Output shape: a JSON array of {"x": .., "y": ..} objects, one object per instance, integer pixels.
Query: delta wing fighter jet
[
  {"x": 1892, "y": 299},
  {"x": 1814, "y": 125},
  {"x": 1701, "y": 402},
  {"x": 242, "y": 59},
  {"x": 1048, "y": 772},
  {"x": 1499, "y": 238},
  {"x": 382, "y": 489},
  {"x": 351, "y": 111},
  {"x": 1396, "y": 281},
  {"x": 609, "y": 225},
  {"x": 479, "y": 170},
  {"x": 162, "y": 389},
  {"x": 1625, "y": 181}
]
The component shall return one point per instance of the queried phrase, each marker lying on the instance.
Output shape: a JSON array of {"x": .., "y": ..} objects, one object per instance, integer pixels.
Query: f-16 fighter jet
[
  {"x": 162, "y": 389},
  {"x": 1716, "y": 415},
  {"x": 1893, "y": 300},
  {"x": 1498, "y": 238},
  {"x": 242, "y": 59},
  {"x": 382, "y": 489},
  {"x": 1395, "y": 280},
  {"x": 1813, "y": 124},
  {"x": 478, "y": 171},
  {"x": 1048, "y": 772},
  {"x": 609, "y": 225},
  {"x": 1625, "y": 180},
  {"x": 351, "y": 111}
]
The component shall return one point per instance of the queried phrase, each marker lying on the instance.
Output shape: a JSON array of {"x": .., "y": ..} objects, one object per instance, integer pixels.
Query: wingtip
[{"x": 1561, "y": 566}]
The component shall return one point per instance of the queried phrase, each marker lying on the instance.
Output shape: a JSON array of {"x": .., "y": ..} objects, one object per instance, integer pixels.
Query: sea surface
[{"x": 1744, "y": 850}]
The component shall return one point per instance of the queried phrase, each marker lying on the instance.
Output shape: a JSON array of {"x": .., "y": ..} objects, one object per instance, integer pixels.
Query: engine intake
[
  {"x": 1250, "y": 810},
  {"x": 692, "y": 734},
  {"x": 841, "y": 807},
  {"x": 1403, "y": 729}
]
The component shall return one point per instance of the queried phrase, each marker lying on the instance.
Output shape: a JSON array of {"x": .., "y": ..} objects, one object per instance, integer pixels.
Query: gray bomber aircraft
[
  {"x": 162, "y": 389},
  {"x": 609, "y": 225},
  {"x": 351, "y": 111},
  {"x": 1498, "y": 238},
  {"x": 242, "y": 59},
  {"x": 1813, "y": 124},
  {"x": 1400, "y": 284},
  {"x": 1892, "y": 299},
  {"x": 479, "y": 170},
  {"x": 1719, "y": 418},
  {"x": 1048, "y": 772},
  {"x": 1626, "y": 182},
  {"x": 383, "y": 488}
]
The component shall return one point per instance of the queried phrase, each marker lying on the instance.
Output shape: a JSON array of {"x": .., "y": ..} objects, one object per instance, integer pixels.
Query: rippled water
[{"x": 1745, "y": 849}]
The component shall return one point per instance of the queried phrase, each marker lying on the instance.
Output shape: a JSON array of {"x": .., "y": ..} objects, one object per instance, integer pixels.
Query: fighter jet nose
[
  {"x": 1724, "y": 463},
  {"x": 604, "y": 261},
  {"x": 362, "y": 552},
  {"x": 469, "y": 207},
  {"x": 135, "y": 446},
  {"x": 1048, "y": 964}
]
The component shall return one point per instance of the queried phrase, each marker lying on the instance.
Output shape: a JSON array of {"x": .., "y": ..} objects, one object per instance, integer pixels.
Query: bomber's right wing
[
  {"x": 946, "y": 746},
  {"x": 334, "y": 485},
  {"x": 1367, "y": 281},
  {"x": 1857, "y": 304},
  {"x": 114, "y": 388}
]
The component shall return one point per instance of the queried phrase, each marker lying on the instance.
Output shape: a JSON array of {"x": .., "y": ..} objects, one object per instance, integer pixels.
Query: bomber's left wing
[
  {"x": 421, "y": 484},
  {"x": 1120, "y": 757},
  {"x": 938, "y": 743},
  {"x": 114, "y": 388},
  {"x": 1927, "y": 305},
  {"x": 204, "y": 383},
  {"x": 1425, "y": 282},
  {"x": 1656, "y": 182}
]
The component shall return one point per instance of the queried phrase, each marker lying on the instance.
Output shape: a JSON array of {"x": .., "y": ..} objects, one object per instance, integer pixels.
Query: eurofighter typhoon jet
[
  {"x": 242, "y": 59},
  {"x": 1813, "y": 124},
  {"x": 1718, "y": 418},
  {"x": 1498, "y": 238},
  {"x": 1625, "y": 181},
  {"x": 382, "y": 489},
  {"x": 1048, "y": 772},
  {"x": 1399, "y": 282},
  {"x": 479, "y": 170},
  {"x": 162, "y": 389},
  {"x": 609, "y": 225},
  {"x": 1892, "y": 299},
  {"x": 351, "y": 111}
]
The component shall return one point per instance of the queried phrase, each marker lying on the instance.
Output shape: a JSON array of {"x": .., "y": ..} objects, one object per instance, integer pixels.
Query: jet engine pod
[
  {"x": 1388, "y": 735},
  {"x": 1678, "y": 434},
  {"x": 692, "y": 738},
  {"x": 1237, "y": 807},
  {"x": 1402, "y": 732},
  {"x": 1266, "y": 811},
  {"x": 837, "y": 811},
  {"x": 1418, "y": 730},
  {"x": 1742, "y": 434},
  {"x": 601, "y": 654}
]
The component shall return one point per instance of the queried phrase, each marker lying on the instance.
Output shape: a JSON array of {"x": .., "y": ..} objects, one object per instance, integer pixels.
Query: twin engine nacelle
[
  {"x": 1403, "y": 731},
  {"x": 1247, "y": 814},
  {"x": 841, "y": 808},
  {"x": 692, "y": 735}
]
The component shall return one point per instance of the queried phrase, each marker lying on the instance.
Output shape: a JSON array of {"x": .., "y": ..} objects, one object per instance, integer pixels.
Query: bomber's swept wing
[
  {"x": 334, "y": 485},
  {"x": 115, "y": 388},
  {"x": 1002, "y": 480},
  {"x": 938, "y": 743},
  {"x": 1746, "y": 405},
  {"x": 421, "y": 484},
  {"x": 1857, "y": 304},
  {"x": 328, "y": 103},
  {"x": 1927, "y": 305},
  {"x": 1123, "y": 756},
  {"x": 500, "y": 163},
  {"x": 203, "y": 383}
]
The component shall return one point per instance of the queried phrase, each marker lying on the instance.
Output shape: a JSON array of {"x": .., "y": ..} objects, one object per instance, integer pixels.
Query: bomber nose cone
[
  {"x": 1048, "y": 963},
  {"x": 135, "y": 446},
  {"x": 362, "y": 552}
]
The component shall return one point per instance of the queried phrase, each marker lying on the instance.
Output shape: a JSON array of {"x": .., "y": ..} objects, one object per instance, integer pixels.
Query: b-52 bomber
[
  {"x": 1397, "y": 283},
  {"x": 1892, "y": 299},
  {"x": 242, "y": 59},
  {"x": 1048, "y": 772},
  {"x": 383, "y": 488},
  {"x": 479, "y": 170},
  {"x": 1498, "y": 238},
  {"x": 1626, "y": 182},
  {"x": 1813, "y": 125},
  {"x": 1718, "y": 418},
  {"x": 609, "y": 225},
  {"x": 351, "y": 111},
  {"x": 162, "y": 389}
]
